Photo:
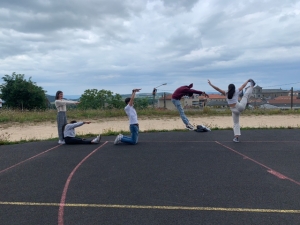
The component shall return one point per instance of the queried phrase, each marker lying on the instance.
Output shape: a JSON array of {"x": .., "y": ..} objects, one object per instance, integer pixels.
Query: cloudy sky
[{"x": 119, "y": 45}]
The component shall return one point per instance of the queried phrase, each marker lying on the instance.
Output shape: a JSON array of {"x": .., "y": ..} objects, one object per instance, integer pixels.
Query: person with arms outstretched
[
  {"x": 61, "y": 106},
  {"x": 236, "y": 107},
  {"x": 70, "y": 134},
  {"x": 133, "y": 122},
  {"x": 176, "y": 97}
]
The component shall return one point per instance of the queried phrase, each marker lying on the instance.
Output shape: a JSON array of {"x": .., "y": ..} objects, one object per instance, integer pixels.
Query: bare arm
[
  {"x": 243, "y": 85},
  {"x": 216, "y": 88},
  {"x": 132, "y": 96}
]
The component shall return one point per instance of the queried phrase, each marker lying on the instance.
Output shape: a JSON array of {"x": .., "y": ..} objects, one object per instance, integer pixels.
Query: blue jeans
[
  {"x": 134, "y": 130},
  {"x": 181, "y": 112}
]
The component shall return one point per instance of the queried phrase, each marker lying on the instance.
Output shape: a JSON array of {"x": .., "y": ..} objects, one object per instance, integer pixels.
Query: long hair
[
  {"x": 231, "y": 90},
  {"x": 57, "y": 94}
]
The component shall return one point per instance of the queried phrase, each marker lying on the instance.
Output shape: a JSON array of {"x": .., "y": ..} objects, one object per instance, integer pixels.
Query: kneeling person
[
  {"x": 69, "y": 134},
  {"x": 133, "y": 122}
]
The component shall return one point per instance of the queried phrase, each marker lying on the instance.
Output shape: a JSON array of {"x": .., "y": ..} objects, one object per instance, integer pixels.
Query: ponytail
[{"x": 231, "y": 91}]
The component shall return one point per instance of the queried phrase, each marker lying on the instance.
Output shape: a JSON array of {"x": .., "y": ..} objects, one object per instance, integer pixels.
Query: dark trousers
[{"x": 76, "y": 140}]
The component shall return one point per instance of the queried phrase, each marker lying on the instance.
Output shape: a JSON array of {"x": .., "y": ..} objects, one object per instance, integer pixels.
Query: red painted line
[
  {"x": 29, "y": 159},
  {"x": 271, "y": 171},
  {"x": 64, "y": 194},
  {"x": 172, "y": 141},
  {"x": 279, "y": 175}
]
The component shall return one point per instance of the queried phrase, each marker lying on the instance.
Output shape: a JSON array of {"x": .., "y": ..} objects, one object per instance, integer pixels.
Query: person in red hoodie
[{"x": 178, "y": 94}]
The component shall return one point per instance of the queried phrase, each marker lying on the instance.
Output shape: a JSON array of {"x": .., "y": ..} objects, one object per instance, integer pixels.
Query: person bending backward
[
  {"x": 178, "y": 94},
  {"x": 69, "y": 134},
  {"x": 133, "y": 122},
  {"x": 61, "y": 106},
  {"x": 236, "y": 107}
]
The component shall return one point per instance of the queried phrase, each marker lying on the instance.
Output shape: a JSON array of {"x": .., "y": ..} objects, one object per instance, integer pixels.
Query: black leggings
[{"x": 76, "y": 140}]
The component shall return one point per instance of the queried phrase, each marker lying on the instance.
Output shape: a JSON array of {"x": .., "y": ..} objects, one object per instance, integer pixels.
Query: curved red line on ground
[
  {"x": 275, "y": 173},
  {"x": 64, "y": 194},
  {"x": 29, "y": 159}
]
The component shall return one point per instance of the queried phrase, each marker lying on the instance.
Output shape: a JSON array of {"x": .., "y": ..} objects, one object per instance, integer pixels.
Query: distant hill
[
  {"x": 50, "y": 98},
  {"x": 145, "y": 95},
  {"x": 68, "y": 97},
  {"x": 138, "y": 95}
]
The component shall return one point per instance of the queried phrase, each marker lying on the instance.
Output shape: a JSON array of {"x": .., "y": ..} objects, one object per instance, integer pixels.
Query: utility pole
[
  {"x": 154, "y": 92},
  {"x": 292, "y": 98}
]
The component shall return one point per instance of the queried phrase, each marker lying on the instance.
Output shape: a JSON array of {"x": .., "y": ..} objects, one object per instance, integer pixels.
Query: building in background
[{"x": 259, "y": 92}]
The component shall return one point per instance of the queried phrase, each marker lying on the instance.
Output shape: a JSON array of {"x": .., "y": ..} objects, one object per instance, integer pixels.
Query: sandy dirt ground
[{"x": 47, "y": 130}]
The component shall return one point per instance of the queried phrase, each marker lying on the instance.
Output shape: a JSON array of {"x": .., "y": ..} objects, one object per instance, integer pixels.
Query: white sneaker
[
  {"x": 190, "y": 127},
  {"x": 61, "y": 142},
  {"x": 236, "y": 140},
  {"x": 97, "y": 139},
  {"x": 118, "y": 139},
  {"x": 206, "y": 128}
]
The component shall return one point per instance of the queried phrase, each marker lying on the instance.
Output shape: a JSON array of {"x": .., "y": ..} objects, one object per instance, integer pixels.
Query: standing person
[
  {"x": 177, "y": 95},
  {"x": 61, "y": 106},
  {"x": 236, "y": 107},
  {"x": 133, "y": 122},
  {"x": 69, "y": 134},
  {"x": 1, "y": 103}
]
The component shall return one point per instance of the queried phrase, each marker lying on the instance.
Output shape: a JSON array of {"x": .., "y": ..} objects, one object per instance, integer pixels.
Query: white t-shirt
[
  {"x": 131, "y": 113},
  {"x": 235, "y": 97}
]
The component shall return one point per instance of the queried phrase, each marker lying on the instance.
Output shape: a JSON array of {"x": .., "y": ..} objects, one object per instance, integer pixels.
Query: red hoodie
[{"x": 185, "y": 90}]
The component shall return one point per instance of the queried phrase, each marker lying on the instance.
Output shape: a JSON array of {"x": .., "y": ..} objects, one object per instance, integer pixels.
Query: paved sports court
[{"x": 167, "y": 178}]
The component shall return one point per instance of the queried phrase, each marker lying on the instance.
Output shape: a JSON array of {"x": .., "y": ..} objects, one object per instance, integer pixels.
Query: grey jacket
[{"x": 70, "y": 129}]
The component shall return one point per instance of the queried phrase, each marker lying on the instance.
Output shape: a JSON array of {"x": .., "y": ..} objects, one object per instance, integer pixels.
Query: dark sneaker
[
  {"x": 190, "y": 127},
  {"x": 252, "y": 82},
  {"x": 236, "y": 139}
]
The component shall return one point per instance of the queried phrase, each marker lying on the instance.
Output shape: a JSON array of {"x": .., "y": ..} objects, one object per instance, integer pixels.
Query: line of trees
[{"x": 23, "y": 94}]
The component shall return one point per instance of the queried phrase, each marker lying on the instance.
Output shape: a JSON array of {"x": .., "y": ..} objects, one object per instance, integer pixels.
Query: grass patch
[{"x": 36, "y": 116}]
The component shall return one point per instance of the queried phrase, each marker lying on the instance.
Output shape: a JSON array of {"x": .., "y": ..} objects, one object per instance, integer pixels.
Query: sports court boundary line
[
  {"x": 214, "y": 141},
  {"x": 64, "y": 194},
  {"x": 186, "y": 208},
  {"x": 8, "y": 168},
  {"x": 269, "y": 170}
]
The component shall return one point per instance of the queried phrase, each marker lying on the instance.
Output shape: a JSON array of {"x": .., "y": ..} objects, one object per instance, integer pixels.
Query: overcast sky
[{"x": 119, "y": 45}]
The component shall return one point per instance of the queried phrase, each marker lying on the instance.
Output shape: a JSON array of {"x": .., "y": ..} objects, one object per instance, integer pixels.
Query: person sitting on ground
[{"x": 69, "y": 134}]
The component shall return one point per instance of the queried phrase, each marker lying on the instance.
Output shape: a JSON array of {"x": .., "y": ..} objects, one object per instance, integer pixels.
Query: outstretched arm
[
  {"x": 243, "y": 85},
  {"x": 132, "y": 96},
  {"x": 216, "y": 88}
]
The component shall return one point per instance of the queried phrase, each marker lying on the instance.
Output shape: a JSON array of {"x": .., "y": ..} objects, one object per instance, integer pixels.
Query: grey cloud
[
  {"x": 119, "y": 44},
  {"x": 31, "y": 16},
  {"x": 175, "y": 4}
]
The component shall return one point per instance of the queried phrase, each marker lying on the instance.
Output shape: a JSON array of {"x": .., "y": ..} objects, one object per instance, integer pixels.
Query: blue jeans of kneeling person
[
  {"x": 177, "y": 103},
  {"x": 134, "y": 130}
]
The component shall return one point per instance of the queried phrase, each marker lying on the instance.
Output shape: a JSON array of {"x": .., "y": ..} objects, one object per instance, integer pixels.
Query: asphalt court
[{"x": 167, "y": 178}]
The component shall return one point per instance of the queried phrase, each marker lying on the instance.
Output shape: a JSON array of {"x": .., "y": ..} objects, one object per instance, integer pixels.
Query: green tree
[
  {"x": 100, "y": 99},
  {"x": 21, "y": 93},
  {"x": 141, "y": 103}
]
